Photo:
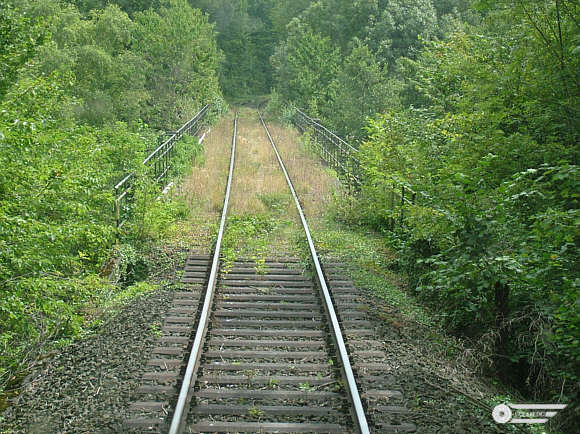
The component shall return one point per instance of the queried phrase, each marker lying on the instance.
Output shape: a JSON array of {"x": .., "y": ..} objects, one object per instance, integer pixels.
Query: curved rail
[
  {"x": 179, "y": 414},
  {"x": 352, "y": 388}
]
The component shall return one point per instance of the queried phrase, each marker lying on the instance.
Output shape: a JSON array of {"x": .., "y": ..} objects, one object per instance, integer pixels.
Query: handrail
[
  {"x": 178, "y": 134},
  {"x": 160, "y": 159},
  {"x": 352, "y": 388},
  {"x": 340, "y": 155},
  {"x": 125, "y": 179},
  {"x": 195, "y": 354},
  {"x": 344, "y": 158},
  {"x": 314, "y": 122}
]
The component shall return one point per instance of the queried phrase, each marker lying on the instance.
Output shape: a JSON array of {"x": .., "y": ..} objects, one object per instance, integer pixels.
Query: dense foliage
[
  {"x": 145, "y": 68},
  {"x": 369, "y": 36},
  {"x": 84, "y": 96},
  {"x": 248, "y": 33},
  {"x": 477, "y": 110},
  {"x": 472, "y": 104}
]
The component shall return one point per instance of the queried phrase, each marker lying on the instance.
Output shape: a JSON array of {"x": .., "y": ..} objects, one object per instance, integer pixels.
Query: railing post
[
  {"x": 117, "y": 212},
  {"x": 402, "y": 203},
  {"x": 392, "y": 218},
  {"x": 167, "y": 155}
]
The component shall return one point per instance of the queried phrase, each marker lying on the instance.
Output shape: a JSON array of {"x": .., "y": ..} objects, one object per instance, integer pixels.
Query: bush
[{"x": 492, "y": 242}]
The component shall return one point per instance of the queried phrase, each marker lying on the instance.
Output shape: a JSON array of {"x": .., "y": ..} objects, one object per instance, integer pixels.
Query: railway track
[{"x": 266, "y": 350}]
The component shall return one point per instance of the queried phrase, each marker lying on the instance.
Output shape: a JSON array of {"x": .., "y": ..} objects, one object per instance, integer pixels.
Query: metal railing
[
  {"x": 337, "y": 153},
  {"x": 159, "y": 161},
  {"x": 400, "y": 196},
  {"x": 343, "y": 158}
]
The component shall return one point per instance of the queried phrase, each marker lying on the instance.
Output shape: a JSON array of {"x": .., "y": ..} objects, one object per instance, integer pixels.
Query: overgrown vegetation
[
  {"x": 475, "y": 107},
  {"x": 85, "y": 95},
  {"x": 472, "y": 104},
  {"x": 248, "y": 32}
]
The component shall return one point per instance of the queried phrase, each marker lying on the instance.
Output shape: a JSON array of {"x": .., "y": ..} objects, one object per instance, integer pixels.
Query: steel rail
[
  {"x": 195, "y": 354},
  {"x": 352, "y": 388}
]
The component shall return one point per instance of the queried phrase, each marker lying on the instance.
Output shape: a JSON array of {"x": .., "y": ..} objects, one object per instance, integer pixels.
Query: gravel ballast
[{"x": 87, "y": 386}]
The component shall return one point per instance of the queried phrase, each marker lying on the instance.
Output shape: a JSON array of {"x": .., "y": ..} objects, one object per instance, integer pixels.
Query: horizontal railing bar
[
  {"x": 160, "y": 157},
  {"x": 331, "y": 157},
  {"x": 125, "y": 179},
  {"x": 167, "y": 150},
  {"x": 350, "y": 147},
  {"x": 163, "y": 174},
  {"x": 340, "y": 155},
  {"x": 123, "y": 195},
  {"x": 178, "y": 132}
]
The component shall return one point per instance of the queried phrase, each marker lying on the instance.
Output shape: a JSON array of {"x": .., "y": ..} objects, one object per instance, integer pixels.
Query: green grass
[{"x": 369, "y": 263}]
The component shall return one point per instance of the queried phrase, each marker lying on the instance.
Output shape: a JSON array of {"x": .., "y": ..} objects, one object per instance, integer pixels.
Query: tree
[
  {"x": 340, "y": 20},
  {"x": 19, "y": 39},
  {"x": 400, "y": 29},
  {"x": 306, "y": 65},
  {"x": 129, "y": 6},
  {"x": 361, "y": 91},
  {"x": 484, "y": 133},
  {"x": 181, "y": 72},
  {"x": 282, "y": 13}
]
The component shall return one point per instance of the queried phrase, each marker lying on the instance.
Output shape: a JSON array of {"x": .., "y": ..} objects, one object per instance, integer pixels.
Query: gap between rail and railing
[
  {"x": 344, "y": 159},
  {"x": 160, "y": 162}
]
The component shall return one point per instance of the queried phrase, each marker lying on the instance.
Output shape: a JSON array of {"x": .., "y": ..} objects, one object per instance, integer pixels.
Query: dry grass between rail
[
  {"x": 205, "y": 185},
  {"x": 259, "y": 186},
  {"x": 314, "y": 183},
  {"x": 258, "y": 179}
]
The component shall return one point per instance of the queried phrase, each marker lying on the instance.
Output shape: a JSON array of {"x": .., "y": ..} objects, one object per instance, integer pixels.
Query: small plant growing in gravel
[
  {"x": 255, "y": 412},
  {"x": 155, "y": 329},
  {"x": 250, "y": 373},
  {"x": 306, "y": 387},
  {"x": 275, "y": 202},
  {"x": 178, "y": 286},
  {"x": 260, "y": 267},
  {"x": 228, "y": 258},
  {"x": 273, "y": 383}
]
